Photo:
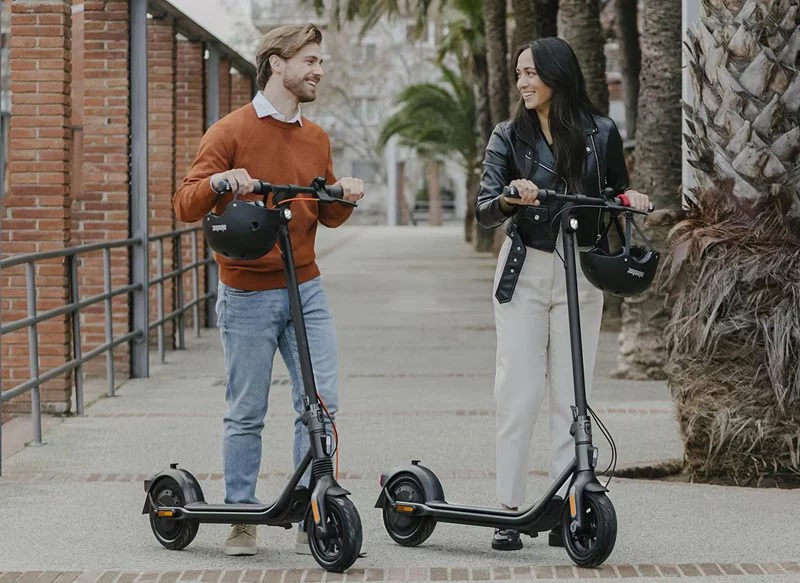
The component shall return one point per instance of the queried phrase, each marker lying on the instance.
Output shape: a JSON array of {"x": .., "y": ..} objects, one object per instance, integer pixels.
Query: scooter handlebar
[
  {"x": 324, "y": 193},
  {"x": 547, "y": 195}
]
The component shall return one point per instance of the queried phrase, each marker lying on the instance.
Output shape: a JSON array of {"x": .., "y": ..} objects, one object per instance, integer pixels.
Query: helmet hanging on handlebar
[
  {"x": 245, "y": 230},
  {"x": 627, "y": 272}
]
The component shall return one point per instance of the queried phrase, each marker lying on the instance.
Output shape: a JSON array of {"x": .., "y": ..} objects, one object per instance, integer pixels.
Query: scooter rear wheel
[
  {"x": 406, "y": 529},
  {"x": 592, "y": 547},
  {"x": 340, "y": 547},
  {"x": 172, "y": 534}
]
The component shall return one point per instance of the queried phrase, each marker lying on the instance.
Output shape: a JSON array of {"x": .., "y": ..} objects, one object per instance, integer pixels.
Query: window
[{"x": 367, "y": 109}]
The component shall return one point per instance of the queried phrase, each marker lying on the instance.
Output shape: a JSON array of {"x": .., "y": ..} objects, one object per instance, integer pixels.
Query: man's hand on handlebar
[
  {"x": 239, "y": 180},
  {"x": 527, "y": 192},
  {"x": 352, "y": 189}
]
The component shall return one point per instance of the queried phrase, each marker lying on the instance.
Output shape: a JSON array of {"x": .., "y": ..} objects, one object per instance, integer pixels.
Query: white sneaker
[{"x": 241, "y": 540}]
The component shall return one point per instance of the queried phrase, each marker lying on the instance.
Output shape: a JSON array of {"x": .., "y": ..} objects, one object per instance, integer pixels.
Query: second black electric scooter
[
  {"x": 175, "y": 501},
  {"x": 412, "y": 498}
]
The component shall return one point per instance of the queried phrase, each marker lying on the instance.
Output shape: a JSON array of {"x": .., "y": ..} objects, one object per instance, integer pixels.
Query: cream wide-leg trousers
[{"x": 534, "y": 360}]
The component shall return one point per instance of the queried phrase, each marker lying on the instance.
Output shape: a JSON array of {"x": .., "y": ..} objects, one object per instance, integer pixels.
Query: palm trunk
[
  {"x": 630, "y": 60},
  {"x": 434, "y": 195},
  {"x": 494, "y": 15},
  {"x": 734, "y": 332},
  {"x": 546, "y": 14},
  {"x": 579, "y": 25},
  {"x": 657, "y": 172},
  {"x": 483, "y": 237}
]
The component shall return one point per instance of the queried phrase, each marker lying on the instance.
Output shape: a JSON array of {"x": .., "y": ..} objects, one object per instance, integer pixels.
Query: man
[{"x": 269, "y": 139}]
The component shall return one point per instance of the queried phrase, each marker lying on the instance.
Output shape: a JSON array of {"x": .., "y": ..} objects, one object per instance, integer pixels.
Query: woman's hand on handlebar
[
  {"x": 637, "y": 200},
  {"x": 527, "y": 192},
  {"x": 239, "y": 180},
  {"x": 352, "y": 189}
]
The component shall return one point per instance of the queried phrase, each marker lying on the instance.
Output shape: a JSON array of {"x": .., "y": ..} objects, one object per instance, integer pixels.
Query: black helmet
[
  {"x": 244, "y": 230},
  {"x": 627, "y": 272}
]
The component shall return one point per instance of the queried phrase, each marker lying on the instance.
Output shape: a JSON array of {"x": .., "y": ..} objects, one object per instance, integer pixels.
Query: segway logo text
[
  {"x": 635, "y": 272},
  {"x": 215, "y": 228}
]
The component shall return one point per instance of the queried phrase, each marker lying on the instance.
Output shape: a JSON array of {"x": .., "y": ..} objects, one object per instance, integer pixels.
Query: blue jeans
[{"x": 253, "y": 325}]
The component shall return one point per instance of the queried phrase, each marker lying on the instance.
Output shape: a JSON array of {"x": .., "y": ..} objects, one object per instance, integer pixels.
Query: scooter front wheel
[
  {"x": 172, "y": 534},
  {"x": 406, "y": 529},
  {"x": 339, "y": 548},
  {"x": 592, "y": 547}
]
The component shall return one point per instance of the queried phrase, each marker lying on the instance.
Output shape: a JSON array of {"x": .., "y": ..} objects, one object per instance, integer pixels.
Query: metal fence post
[
  {"x": 160, "y": 291},
  {"x": 109, "y": 321},
  {"x": 76, "y": 332},
  {"x": 140, "y": 366},
  {"x": 33, "y": 354},
  {"x": 179, "y": 291},
  {"x": 195, "y": 286}
]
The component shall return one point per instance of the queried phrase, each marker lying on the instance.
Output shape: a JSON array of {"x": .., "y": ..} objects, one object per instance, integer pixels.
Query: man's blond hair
[{"x": 284, "y": 41}]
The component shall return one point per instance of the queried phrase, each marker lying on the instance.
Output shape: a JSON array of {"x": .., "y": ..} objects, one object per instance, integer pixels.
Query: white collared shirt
[{"x": 264, "y": 108}]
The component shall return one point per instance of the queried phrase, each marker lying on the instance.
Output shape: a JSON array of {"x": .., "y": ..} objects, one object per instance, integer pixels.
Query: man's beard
[{"x": 298, "y": 87}]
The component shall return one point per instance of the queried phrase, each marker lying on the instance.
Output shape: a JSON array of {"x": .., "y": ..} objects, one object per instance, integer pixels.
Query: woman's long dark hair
[{"x": 558, "y": 68}]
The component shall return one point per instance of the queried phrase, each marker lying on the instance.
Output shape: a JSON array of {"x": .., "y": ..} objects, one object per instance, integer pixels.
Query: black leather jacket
[{"x": 510, "y": 156}]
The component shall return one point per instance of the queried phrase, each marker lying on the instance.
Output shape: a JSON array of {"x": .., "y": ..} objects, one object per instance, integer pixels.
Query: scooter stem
[
  {"x": 573, "y": 308},
  {"x": 312, "y": 417}
]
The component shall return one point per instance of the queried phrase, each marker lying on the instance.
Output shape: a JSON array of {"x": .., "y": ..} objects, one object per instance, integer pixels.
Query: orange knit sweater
[{"x": 276, "y": 152}]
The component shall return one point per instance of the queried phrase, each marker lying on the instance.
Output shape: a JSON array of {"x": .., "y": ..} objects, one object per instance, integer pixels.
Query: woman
[{"x": 555, "y": 140}]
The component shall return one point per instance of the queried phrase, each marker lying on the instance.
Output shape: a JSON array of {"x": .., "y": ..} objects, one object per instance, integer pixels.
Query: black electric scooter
[
  {"x": 175, "y": 500},
  {"x": 412, "y": 499}
]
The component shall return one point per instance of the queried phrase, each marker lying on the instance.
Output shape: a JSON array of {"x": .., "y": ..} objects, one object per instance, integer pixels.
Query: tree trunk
[
  {"x": 483, "y": 237},
  {"x": 657, "y": 172},
  {"x": 434, "y": 195},
  {"x": 546, "y": 15},
  {"x": 579, "y": 25},
  {"x": 734, "y": 332},
  {"x": 494, "y": 16},
  {"x": 630, "y": 56}
]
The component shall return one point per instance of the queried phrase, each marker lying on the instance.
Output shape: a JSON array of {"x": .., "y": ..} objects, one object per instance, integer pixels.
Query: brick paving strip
[
  {"x": 426, "y": 574},
  {"x": 63, "y": 477},
  {"x": 406, "y": 413}
]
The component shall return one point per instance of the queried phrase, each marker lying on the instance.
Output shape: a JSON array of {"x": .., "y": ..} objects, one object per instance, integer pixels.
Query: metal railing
[{"x": 73, "y": 308}]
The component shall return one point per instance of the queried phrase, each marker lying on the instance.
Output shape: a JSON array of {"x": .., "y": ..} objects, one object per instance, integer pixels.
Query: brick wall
[
  {"x": 241, "y": 90},
  {"x": 101, "y": 207},
  {"x": 224, "y": 87},
  {"x": 36, "y": 213},
  {"x": 161, "y": 153},
  {"x": 189, "y": 128}
]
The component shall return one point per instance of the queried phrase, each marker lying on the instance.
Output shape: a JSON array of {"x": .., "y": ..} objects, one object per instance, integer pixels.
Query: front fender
[
  {"x": 431, "y": 486},
  {"x": 187, "y": 482}
]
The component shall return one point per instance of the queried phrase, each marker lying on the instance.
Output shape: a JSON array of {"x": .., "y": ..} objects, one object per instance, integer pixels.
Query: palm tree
[
  {"x": 734, "y": 270},
  {"x": 657, "y": 172},
  {"x": 437, "y": 121},
  {"x": 465, "y": 39}
]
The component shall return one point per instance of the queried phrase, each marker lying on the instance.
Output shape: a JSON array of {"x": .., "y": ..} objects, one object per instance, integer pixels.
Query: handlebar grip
[
  {"x": 622, "y": 200},
  {"x": 544, "y": 193},
  {"x": 258, "y": 187},
  {"x": 224, "y": 186},
  {"x": 336, "y": 192}
]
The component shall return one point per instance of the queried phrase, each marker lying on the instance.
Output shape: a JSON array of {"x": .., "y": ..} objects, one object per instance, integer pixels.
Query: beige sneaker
[{"x": 241, "y": 540}]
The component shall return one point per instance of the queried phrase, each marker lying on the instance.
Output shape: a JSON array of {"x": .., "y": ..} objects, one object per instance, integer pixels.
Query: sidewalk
[{"x": 414, "y": 320}]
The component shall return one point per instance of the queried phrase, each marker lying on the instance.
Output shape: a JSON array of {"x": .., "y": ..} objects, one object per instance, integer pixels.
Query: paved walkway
[{"x": 417, "y": 351}]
